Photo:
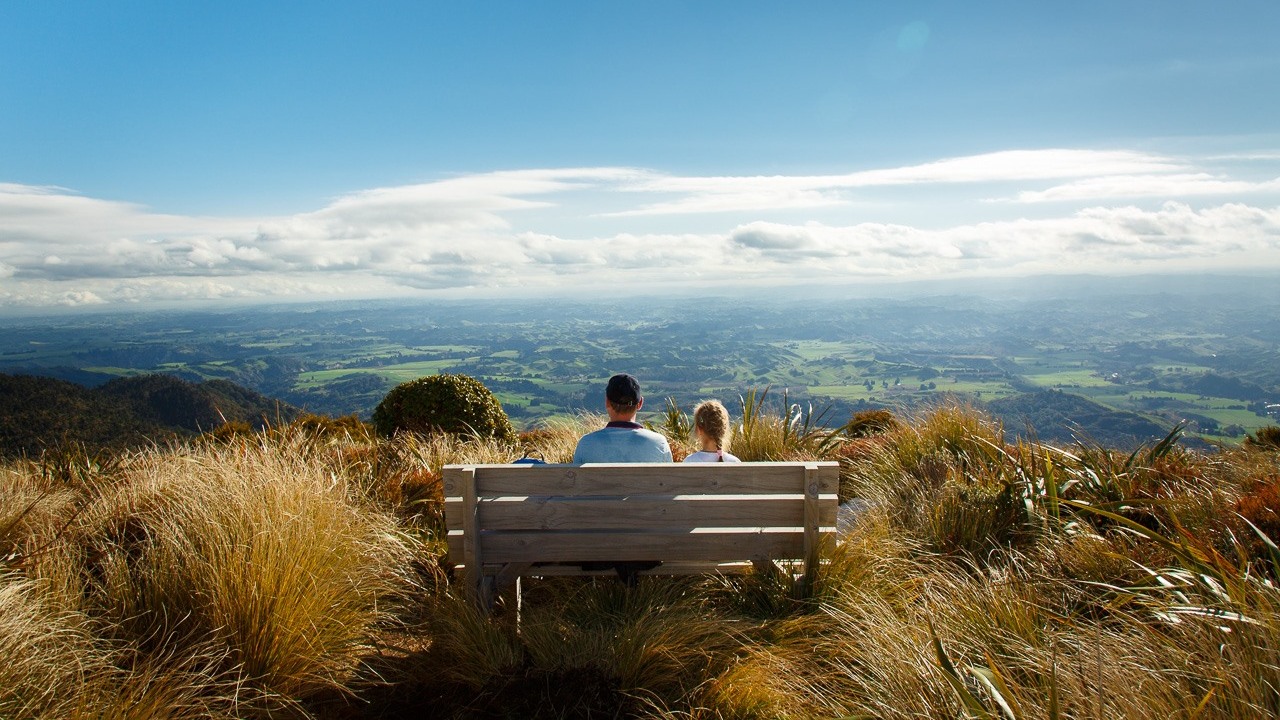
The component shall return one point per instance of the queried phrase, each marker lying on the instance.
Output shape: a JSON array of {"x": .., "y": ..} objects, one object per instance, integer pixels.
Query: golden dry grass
[{"x": 274, "y": 575}]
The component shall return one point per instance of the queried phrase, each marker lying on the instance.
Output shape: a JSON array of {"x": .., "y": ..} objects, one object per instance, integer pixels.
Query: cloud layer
[{"x": 579, "y": 229}]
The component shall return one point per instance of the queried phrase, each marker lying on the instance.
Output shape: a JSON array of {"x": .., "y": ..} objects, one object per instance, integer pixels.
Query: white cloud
[
  {"x": 1132, "y": 186},
  {"x": 522, "y": 230},
  {"x": 77, "y": 298},
  {"x": 1093, "y": 240},
  {"x": 729, "y": 194},
  {"x": 1022, "y": 165}
]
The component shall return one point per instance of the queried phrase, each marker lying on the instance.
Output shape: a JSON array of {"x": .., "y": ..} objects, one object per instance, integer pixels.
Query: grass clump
[
  {"x": 250, "y": 563},
  {"x": 49, "y": 655}
]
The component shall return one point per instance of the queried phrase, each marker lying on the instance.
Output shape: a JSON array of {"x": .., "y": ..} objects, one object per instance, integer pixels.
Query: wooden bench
[{"x": 512, "y": 521}]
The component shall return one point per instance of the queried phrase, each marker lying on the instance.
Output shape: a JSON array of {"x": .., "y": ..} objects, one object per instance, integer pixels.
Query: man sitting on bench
[{"x": 623, "y": 440}]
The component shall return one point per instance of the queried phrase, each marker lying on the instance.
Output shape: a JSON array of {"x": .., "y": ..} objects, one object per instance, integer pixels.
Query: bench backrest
[{"x": 672, "y": 512}]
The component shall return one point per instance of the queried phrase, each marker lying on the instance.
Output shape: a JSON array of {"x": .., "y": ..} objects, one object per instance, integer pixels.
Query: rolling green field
[
  {"x": 401, "y": 372},
  {"x": 1215, "y": 371}
]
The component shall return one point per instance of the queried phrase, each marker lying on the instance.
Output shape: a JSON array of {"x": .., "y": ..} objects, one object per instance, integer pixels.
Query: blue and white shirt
[{"x": 622, "y": 442}]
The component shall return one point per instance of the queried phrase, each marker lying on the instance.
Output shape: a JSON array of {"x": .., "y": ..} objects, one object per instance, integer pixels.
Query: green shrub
[
  {"x": 455, "y": 404},
  {"x": 1267, "y": 438}
]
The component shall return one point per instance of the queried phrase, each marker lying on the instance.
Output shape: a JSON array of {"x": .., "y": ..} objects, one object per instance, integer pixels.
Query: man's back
[{"x": 622, "y": 442}]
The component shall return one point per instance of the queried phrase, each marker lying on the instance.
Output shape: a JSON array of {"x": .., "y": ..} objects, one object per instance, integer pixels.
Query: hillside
[
  {"x": 39, "y": 412},
  {"x": 1061, "y": 418}
]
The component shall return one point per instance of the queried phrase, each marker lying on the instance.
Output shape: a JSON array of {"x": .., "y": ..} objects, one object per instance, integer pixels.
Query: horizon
[
  {"x": 169, "y": 156},
  {"x": 1244, "y": 289}
]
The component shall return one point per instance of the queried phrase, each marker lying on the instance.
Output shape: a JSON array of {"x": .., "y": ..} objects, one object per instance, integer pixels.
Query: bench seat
[{"x": 509, "y": 521}]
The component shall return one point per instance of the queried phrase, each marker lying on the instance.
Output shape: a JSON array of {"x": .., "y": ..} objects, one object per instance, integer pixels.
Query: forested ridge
[
  {"x": 39, "y": 412},
  {"x": 1062, "y": 418}
]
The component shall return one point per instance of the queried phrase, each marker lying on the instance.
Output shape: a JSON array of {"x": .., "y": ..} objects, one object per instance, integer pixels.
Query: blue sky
[{"x": 166, "y": 152}]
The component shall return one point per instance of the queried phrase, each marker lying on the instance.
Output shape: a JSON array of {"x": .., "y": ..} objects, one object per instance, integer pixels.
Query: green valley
[{"x": 1195, "y": 354}]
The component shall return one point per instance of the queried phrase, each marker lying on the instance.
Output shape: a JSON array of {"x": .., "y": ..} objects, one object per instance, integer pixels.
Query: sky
[{"x": 157, "y": 153}]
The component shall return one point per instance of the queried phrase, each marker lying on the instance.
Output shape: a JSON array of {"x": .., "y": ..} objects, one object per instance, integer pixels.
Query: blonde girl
[{"x": 711, "y": 431}]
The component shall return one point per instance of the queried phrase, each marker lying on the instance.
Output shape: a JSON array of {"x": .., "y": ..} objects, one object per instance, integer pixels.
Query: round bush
[{"x": 442, "y": 403}]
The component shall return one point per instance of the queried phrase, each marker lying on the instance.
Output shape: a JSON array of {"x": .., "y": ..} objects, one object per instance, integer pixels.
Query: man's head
[{"x": 622, "y": 396}]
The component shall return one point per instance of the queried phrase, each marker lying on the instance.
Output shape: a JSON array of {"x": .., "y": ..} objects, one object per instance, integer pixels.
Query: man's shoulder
[
  {"x": 657, "y": 440},
  {"x": 608, "y": 433},
  {"x": 595, "y": 434},
  {"x": 622, "y": 444}
]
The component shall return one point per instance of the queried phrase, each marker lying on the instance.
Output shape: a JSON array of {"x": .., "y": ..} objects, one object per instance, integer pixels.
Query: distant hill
[
  {"x": 40, "y": 412},
  {"x": 87, "y": 378},
  {"x": 354, "y": 394},
  {"x": 1061, "y": 418},
  {"x": 1214, "y": 385}
]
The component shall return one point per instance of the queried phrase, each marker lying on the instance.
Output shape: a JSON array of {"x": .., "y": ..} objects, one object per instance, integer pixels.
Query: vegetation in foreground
[{"x": 298, "y": 573}]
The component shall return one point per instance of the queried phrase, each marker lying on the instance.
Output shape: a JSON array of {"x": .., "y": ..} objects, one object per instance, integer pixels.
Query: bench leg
[
  {"x": 510, "y": 573},
  {"x": 508, "y": 577},
  {"x": 768, "y": 568},
  {"x": 801, "y": 587}
]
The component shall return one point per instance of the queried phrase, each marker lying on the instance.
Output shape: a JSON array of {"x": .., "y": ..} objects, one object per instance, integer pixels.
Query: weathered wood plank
[
  {"x": 471, "y": 552},
  {"x": 640, "y": 478},
  {"x": 667, "y": 568},
  {"x": 507, "y": 521},
  {"x": 684, "y": 547},
  {"x": 641, "y": 513},
  {"x": 812, "y": 516},
  {"x": 554, "y": 546}
]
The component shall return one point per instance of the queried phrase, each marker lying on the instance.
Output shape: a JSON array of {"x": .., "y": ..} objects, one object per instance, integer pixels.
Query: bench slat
[
  {"x": 641, "y": 478},
  {"x": 667, "y": 568},
  {"x": 777, "y": 543},
  {"x": 552, "y": 546},
  {"x": 688, "y": 511}
]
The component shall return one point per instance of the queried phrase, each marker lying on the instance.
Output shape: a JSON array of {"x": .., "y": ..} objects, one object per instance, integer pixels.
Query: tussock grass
[
  {"x": 33, "y": 509},
  {"x": 585, "y": 646},
  {"x": 469, "y": 649},
  {"x": 656, "y": 638},
  {"x": 555, "y": 440},
  {"x": 48, "y": 654},
  {"x": 273, "y": 574},
  {"x": 250, "y": 564},
  {"x": 55, "y": 667}
]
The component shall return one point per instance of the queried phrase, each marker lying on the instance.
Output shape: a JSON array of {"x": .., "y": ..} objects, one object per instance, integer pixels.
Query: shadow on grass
[{"x": 408, "y": 686}]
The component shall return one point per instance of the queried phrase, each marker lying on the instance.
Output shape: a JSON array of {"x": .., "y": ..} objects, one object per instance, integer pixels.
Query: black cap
[{"x": 623, "y": 390}]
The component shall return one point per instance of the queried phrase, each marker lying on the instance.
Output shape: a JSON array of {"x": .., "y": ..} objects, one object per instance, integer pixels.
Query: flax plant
[
  {"x": 787, "y": 431},
  {"x": 676, "y": 424}
]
